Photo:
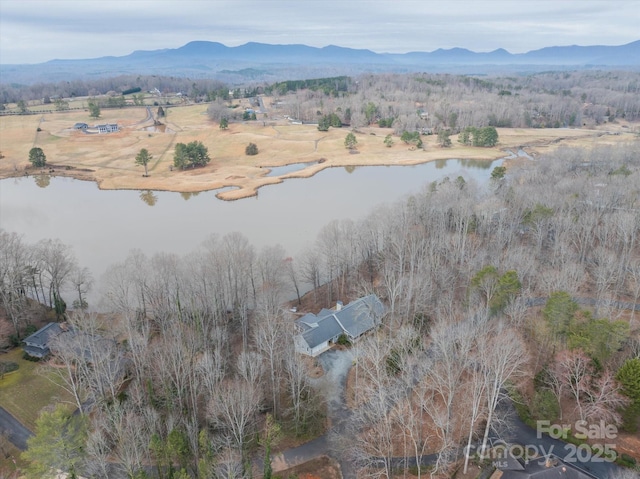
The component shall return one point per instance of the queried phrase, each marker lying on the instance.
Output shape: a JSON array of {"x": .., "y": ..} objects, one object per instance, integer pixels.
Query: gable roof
[
  {"x": 540, "y": 469},
  {"x": 361, "y": 315},
  {"x": 354, "y": 319},
  {"x": 44, "y": 335},
  {"x": 326, "y": 329}
]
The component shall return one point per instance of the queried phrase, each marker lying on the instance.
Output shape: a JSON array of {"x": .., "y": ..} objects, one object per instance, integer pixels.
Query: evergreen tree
[
  {"x": 350, "y": 141},
  {"x": 190, "y": 155},
  {"x": 94, "y": 110},
  {"x": 37, "y": 157},
  {"x": 629, "y": 377},
  {"x": 57, "y": 445},
  {"x": 143, "y": 158}
]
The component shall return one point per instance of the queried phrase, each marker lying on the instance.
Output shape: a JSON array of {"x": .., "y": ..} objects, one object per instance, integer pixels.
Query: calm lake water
[{"x": 103, "y": 226}]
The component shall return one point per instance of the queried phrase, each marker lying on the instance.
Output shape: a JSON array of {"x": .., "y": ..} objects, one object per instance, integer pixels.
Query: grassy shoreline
[{"x": 108, "y": 159}]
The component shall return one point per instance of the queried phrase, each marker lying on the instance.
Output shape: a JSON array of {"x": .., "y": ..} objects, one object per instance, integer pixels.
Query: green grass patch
[{"x": 25, "y": 392}]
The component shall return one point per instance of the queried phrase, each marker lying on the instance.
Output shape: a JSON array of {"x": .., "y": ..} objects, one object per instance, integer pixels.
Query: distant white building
[{"x": 107, "y": 128}]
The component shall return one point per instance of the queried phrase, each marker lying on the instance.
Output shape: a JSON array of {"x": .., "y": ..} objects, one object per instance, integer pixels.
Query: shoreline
[
  {"x": 240, "y": 192},
  {"x": 107, "y": 159}
]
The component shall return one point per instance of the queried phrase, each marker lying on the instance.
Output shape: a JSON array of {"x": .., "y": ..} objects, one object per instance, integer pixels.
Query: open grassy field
[
  {"x": 25, "y": 392},
  {"x": 108, "y": 159}
]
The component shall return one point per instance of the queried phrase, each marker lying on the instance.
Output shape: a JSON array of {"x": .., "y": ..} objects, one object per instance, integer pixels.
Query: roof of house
[
  {"x": 542, "y": 468},
  {"x": 354, "y": 319},
  {"x": 44, "y": 335},
  {"x": 361, "y": 315},
  {"x": 327, "y": 328}
]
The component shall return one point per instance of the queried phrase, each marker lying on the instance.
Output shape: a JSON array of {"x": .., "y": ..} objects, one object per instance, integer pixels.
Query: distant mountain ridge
[{"x": 201, "y": 59}]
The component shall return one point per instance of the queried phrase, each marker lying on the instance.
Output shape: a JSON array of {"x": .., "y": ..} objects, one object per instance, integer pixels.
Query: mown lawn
[{"x": 26, "y": 391}]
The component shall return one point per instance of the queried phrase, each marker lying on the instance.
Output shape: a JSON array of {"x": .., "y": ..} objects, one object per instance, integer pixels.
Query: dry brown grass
[{"x": 109, "y": 159}]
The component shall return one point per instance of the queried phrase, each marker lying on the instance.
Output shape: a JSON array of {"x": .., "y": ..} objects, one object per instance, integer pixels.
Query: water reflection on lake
[
  {"x": 103, "y": 226},
  {"x": 286, "y": 169}
]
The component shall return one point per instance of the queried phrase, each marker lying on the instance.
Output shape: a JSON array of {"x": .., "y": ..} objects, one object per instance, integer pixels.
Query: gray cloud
[{"x": 34, "y": 31}]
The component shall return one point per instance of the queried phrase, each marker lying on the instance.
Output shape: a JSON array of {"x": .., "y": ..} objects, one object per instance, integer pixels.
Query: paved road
[
  {"x": 522, "y": 434},
  {"x": 337, "y": 365},
  {"x": 14, "y": 430}
]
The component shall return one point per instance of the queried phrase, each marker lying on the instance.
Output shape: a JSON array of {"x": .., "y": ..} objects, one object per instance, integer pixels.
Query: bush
[
  {"x": 28, "y": 357},
  {"x": 29, "y": 330},
  {"x": 626, "y": 460},
  {"x": 521, "y": 406},
  {"x": 343, "y": 340},
  {"x": 7, "y": 367},
  {"x": 545, "y": 405},
  {"x": 251, "y": 149}
]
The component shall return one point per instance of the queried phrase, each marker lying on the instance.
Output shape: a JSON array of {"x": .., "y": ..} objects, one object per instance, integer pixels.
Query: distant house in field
[
  {"x": 38, "y": 344},
  {"x": 80, "y": 126},
  {"x": 107, "y": 128},
  {"x": 318, "y": 332}
]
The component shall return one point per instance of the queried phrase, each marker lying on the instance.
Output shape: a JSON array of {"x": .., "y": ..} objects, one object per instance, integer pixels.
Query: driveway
[
  {"x": 336, "y": 365},
  {"x": 521, "y": 433},
  {"x": 14, "y": 430}
]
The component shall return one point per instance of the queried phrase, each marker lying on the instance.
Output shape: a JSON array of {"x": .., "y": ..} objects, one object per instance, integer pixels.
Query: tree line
[
  {"x": 208, "y": 340},
  {"x": 414, "y": 102}
]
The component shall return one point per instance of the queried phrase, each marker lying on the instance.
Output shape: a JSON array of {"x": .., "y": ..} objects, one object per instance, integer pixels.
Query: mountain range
[{"x": 266, "y": 62}]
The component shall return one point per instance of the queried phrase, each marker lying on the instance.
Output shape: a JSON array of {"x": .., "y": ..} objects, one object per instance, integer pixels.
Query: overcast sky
[{"x": 33, "y": 31}]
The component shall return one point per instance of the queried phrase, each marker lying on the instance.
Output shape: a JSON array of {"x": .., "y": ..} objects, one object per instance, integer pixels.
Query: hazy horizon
[{"x": 36, "y": 31}]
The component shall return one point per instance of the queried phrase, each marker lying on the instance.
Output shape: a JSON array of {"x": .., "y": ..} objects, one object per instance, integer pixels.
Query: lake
[{"x": 103, "y": 226}]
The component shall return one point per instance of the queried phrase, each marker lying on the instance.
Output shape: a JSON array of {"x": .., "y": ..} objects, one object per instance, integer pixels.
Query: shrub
[
  {"x": 545, "y": 405},
  {"x": 251, "y": 149},
  {"x": 28, "y": 357},
  {"x": 626, "y": 460},
  {"x": 343, "y": 340},
  {"x": 7, "y": 367}
]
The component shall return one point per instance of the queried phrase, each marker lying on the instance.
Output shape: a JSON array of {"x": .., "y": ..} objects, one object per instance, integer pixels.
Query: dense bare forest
[
  {"x": 525, "y": 285},
  {"x": 415, "y": 102},
  {"x": 407, "y": 102}
]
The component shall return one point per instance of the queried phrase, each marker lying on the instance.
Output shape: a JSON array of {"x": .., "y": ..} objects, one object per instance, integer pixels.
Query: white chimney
[{"x": 338, "y": 305}]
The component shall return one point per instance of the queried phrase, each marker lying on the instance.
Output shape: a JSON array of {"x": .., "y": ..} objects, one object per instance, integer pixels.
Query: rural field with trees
[{"x": 518, "y": 297}]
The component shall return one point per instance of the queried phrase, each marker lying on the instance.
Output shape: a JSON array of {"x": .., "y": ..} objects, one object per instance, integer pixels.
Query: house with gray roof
[
  {"x": 543, "y": 467},
  {"x": 318, "y": 332},
  {"x": 38, "y": 344}
]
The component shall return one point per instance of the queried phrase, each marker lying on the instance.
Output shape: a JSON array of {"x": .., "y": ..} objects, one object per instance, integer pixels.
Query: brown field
[{"x": 108, "y": 159}]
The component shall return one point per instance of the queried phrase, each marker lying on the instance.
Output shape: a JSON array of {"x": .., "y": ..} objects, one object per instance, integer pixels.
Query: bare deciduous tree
[{"x": 233, "y": 409}]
